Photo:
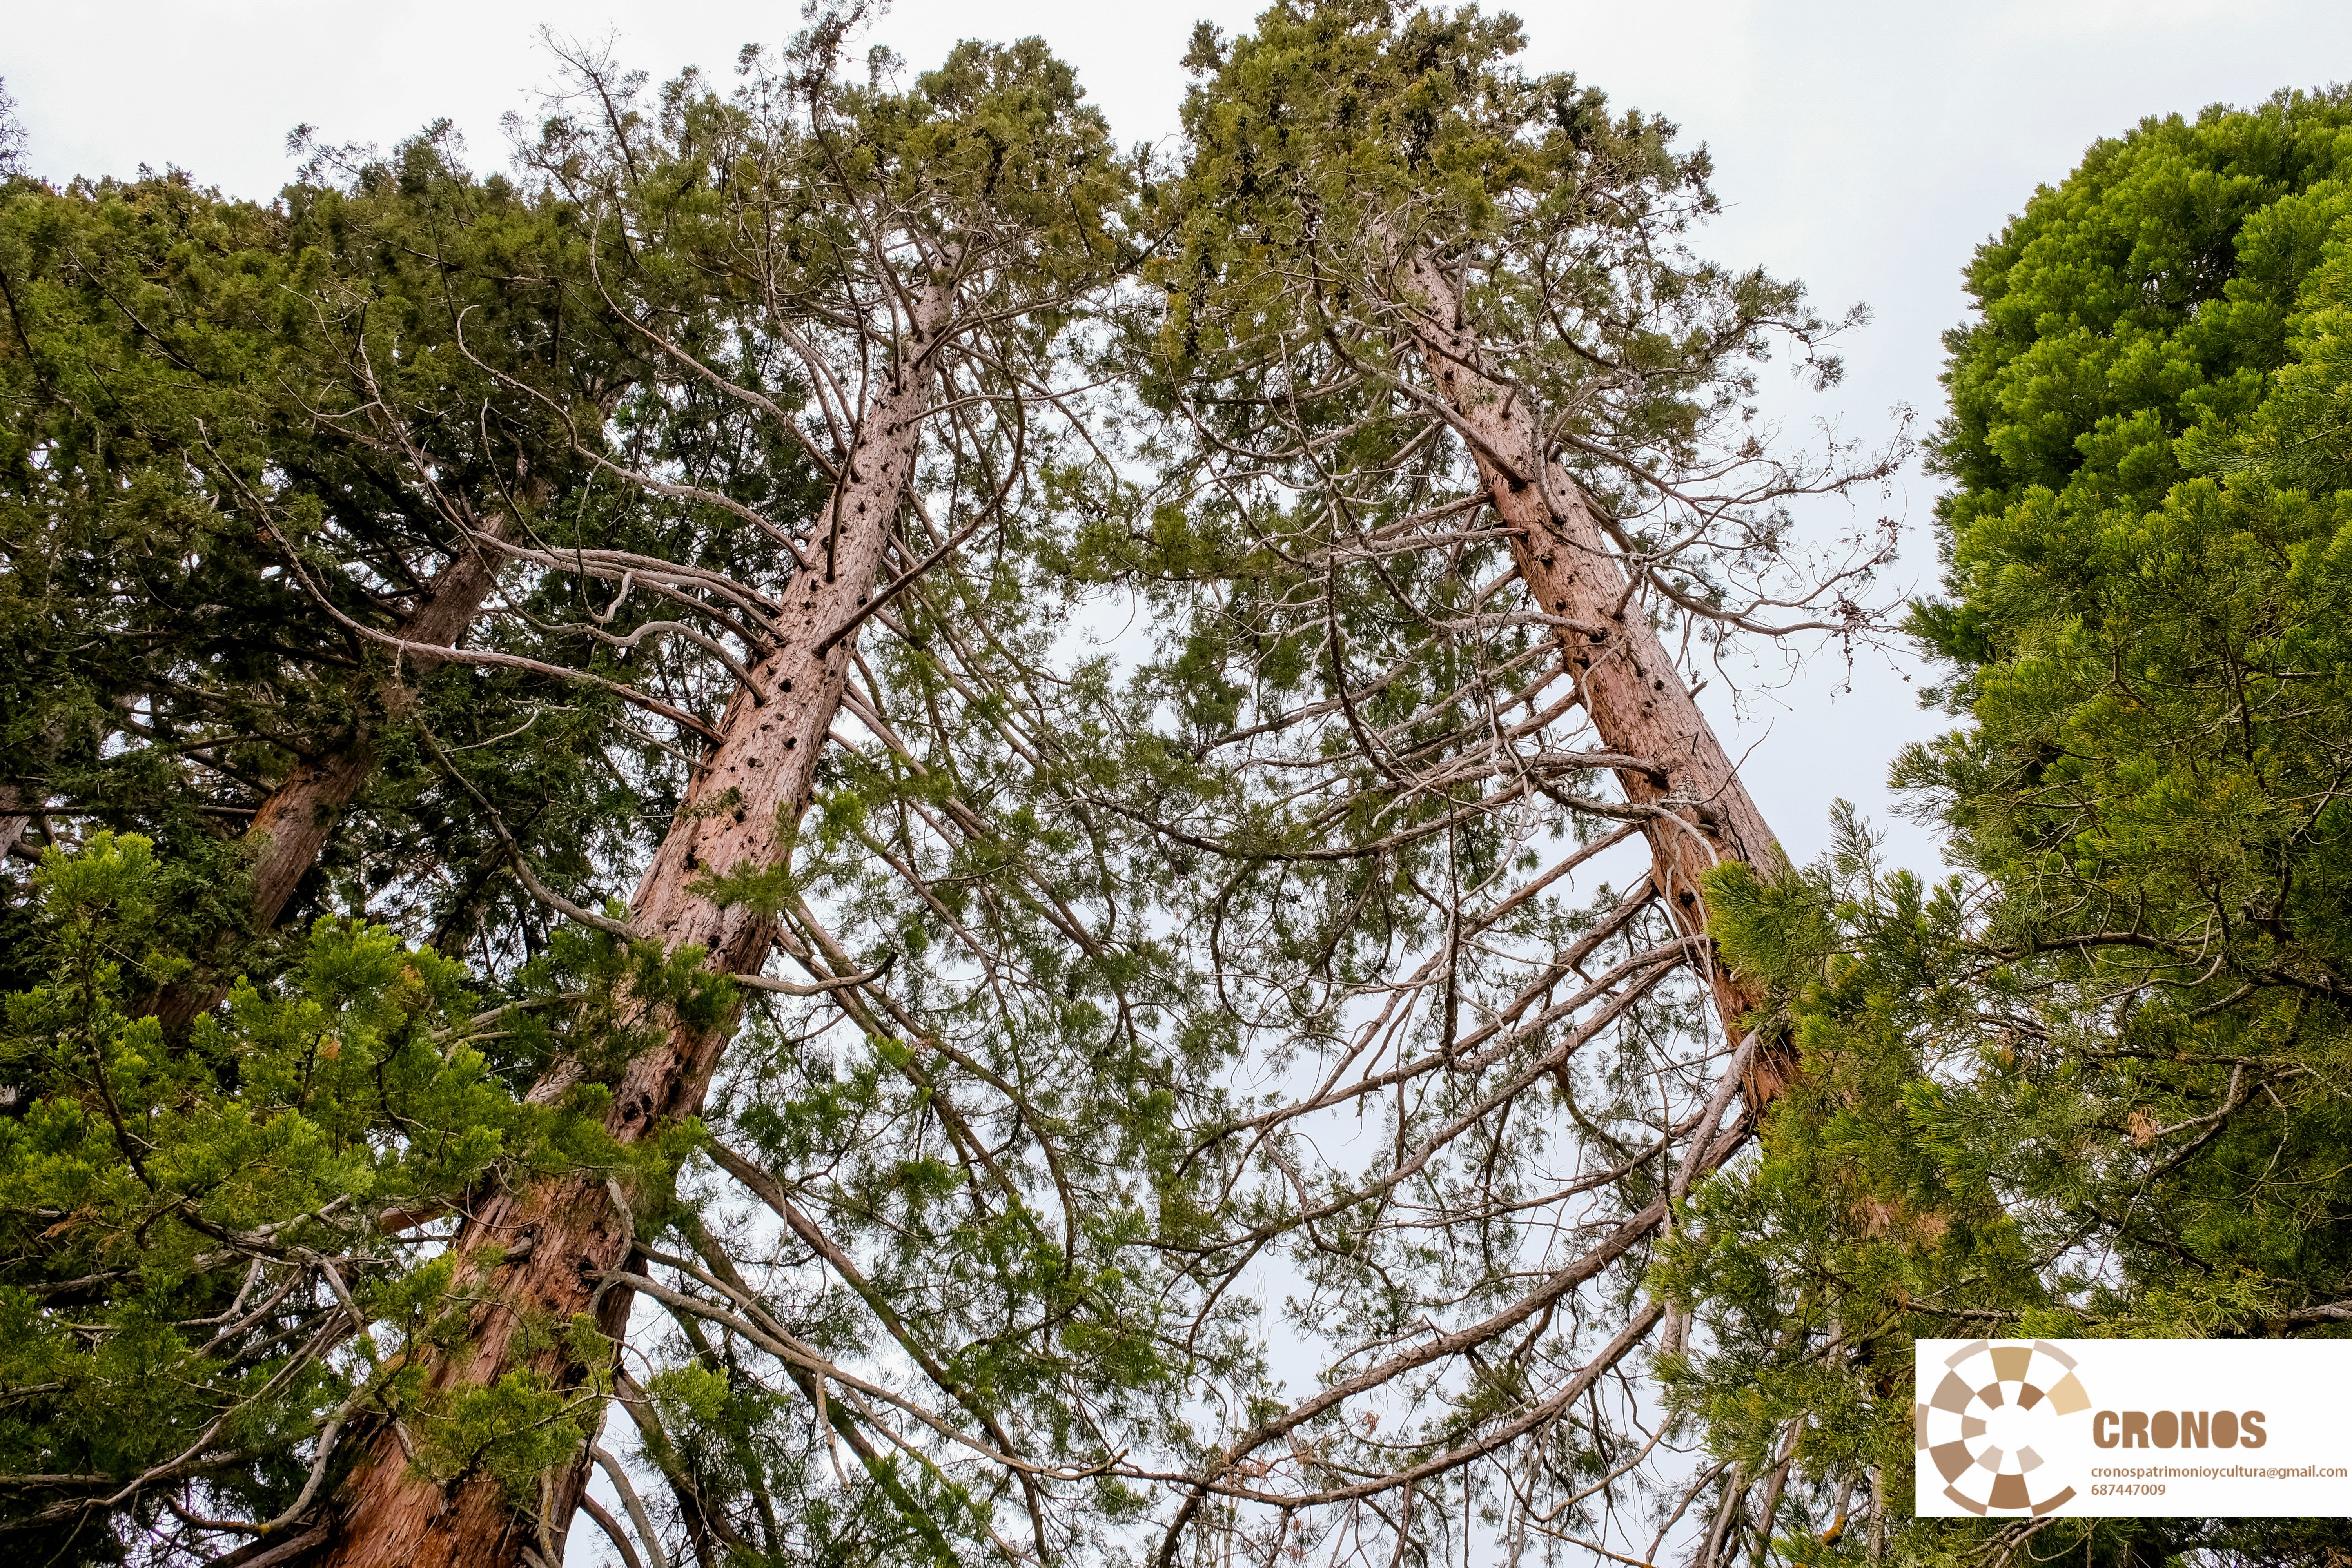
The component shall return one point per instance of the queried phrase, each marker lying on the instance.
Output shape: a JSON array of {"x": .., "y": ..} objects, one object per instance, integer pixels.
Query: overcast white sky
[{"x": 1864, "y": 147}]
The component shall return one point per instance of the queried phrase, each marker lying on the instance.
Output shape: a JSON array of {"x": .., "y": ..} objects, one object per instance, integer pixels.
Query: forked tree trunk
[
  {"x": 1630, "y": 686},
  {"x": 565, "y": 1240},
  {"x": 296, "y": 820}
]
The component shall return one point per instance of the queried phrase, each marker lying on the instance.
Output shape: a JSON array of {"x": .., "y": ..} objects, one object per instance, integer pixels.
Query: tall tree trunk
[
  {"x": 1631, "y": 689},
  {"x": 566, "y": 1240},
  {"x": 296, "y": 820}
]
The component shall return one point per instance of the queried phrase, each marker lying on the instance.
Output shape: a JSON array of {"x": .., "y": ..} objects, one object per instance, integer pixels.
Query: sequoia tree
[
  {"x": 238, "y": 437},
  {"x": 886, "y": 240},
  {"x": 1471, "y": 496},
  {"x": 1349, "y": 915}
]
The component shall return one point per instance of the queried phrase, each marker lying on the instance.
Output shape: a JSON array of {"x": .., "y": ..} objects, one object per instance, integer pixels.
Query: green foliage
[
  {"x": 2091, "y": 1084},
  {"x": 216, "y": 1248},
  {"x": 262, "y": 418},
  {"x": 517, "y": 1430}
]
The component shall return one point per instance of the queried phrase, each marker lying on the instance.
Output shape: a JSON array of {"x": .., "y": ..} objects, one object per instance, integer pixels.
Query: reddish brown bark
[
  {"x": 563, "y": 1239},
  {"x": 294, "y": 822},
  {"x": 1630, "y": 688}
]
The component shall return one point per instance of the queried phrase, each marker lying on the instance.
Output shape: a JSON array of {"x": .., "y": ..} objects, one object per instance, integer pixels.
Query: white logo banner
[{"x": 2138, "y": 1427}]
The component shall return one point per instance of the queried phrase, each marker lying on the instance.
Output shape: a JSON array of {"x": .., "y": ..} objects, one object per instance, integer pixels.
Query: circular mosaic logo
[{"x": 1997, "y": 1397}]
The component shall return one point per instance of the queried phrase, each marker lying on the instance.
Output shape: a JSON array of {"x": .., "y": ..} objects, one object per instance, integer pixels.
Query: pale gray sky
[{"x": 1864, "y": 147}]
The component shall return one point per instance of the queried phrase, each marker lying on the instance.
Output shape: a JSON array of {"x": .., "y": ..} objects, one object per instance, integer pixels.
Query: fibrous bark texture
[
  {"x": 293, "y": 824},
  {"x": 1629, "y": 685},
  {"x": 566, "y": 1242},
  {"x": 16, "y": 815}
]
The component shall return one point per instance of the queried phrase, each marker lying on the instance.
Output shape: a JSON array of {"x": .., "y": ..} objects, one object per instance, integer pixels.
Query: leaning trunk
[
  {"x": 555, "y": 1252},
  {"x": 296, "y": 820},
  {"x": 1629, "y": 686},
  {"x": 293, "y": 824}
]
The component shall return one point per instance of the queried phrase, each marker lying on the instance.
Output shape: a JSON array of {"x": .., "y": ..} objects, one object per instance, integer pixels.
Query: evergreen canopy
[
  {"x": 2090, "y": 1085},
  {"x": 1017, "y": 841}
]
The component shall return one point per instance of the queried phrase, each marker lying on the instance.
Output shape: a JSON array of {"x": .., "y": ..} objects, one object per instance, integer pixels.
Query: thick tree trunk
[
  {"x": 296, "y": 820},
  {"x": 565, "y": 1240},
  {"x": 1630, "y": 688}
]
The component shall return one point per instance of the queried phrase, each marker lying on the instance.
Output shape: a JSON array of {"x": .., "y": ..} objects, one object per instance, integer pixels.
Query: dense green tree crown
[
  {"x": 237, "y": 437},
  {"x": 208, "y": 1250},
  {"x": 1340, "y": 135},
  {"x": 2093, "y": 1083},
  {"x": 2145, "y": 296}
]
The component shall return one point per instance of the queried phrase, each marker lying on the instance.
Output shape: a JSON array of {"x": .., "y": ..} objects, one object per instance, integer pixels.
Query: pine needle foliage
[
  {"x": 1213, "y": 1056},
  {"x": 241, "y": 437},
  {"x": 220, "y": 1252}
]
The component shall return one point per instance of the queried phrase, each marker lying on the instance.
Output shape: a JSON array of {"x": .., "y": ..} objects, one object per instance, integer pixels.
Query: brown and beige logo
[{"x": 1999, "y": 1398}]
